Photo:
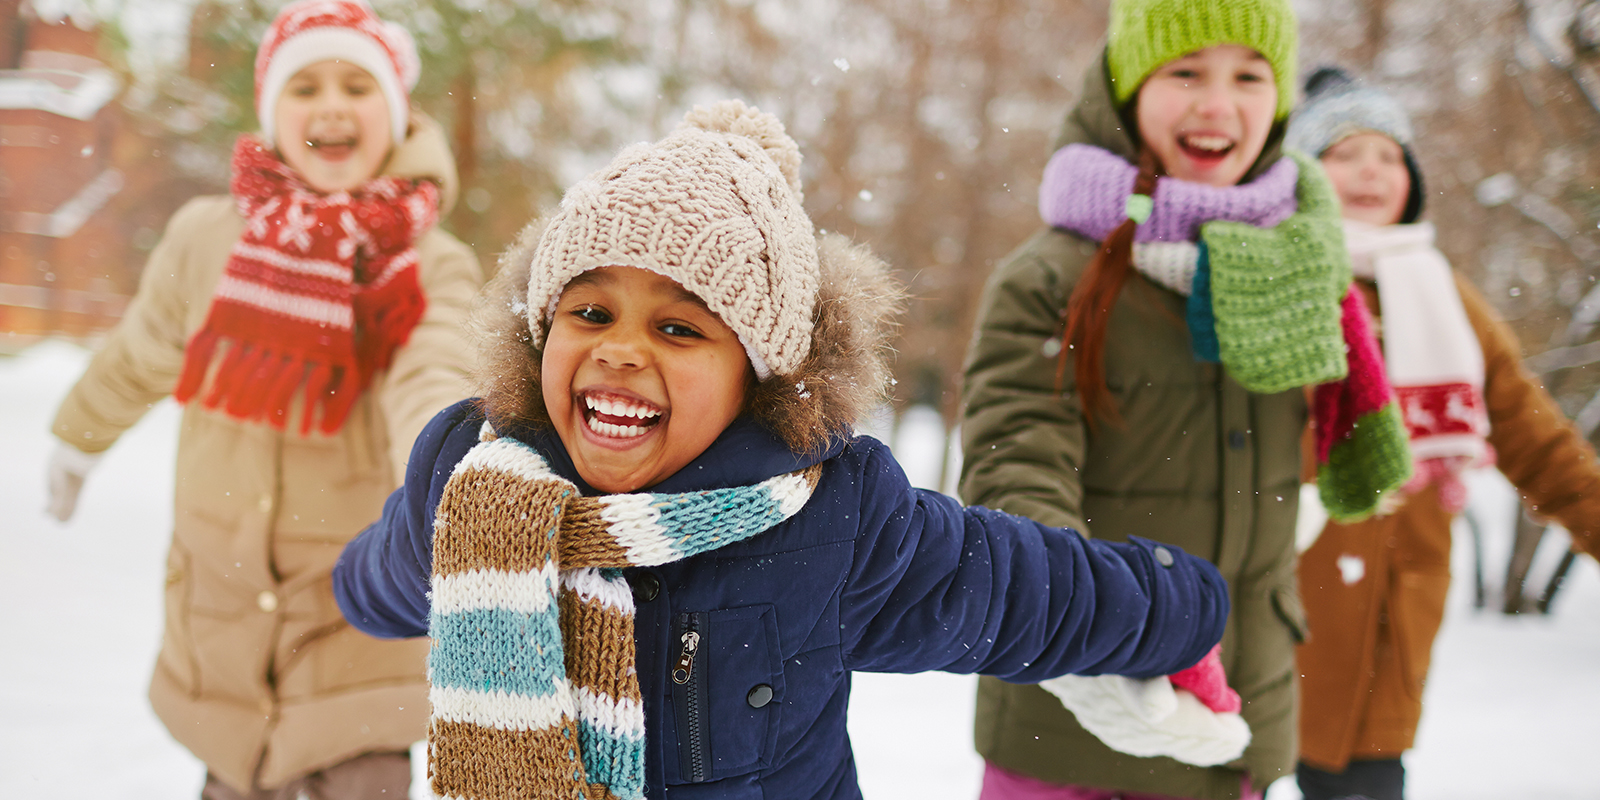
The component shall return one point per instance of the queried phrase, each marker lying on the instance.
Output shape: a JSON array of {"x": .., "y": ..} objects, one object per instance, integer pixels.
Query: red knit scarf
[{"x": 318, "y": 293}]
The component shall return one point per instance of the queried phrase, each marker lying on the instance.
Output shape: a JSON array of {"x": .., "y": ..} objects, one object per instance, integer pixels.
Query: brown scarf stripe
[
  {"x": 512, "y": 515},
  {"x": 585, "y": 540},
  {"x": 479, "y": 762},
  {"x": 611, "y": 656}
]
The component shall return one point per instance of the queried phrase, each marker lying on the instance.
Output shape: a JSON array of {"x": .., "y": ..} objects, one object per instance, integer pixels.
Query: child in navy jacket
[{"x": 651, "y": 555}]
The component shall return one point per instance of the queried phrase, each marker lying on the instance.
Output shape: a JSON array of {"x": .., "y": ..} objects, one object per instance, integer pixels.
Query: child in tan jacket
[
  {"x": 1375, "y": 591},
  {"x": 311, "y": 324}
]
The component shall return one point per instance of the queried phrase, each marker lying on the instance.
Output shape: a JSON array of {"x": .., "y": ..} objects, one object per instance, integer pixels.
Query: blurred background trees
[{"x": 924, "y": 125}]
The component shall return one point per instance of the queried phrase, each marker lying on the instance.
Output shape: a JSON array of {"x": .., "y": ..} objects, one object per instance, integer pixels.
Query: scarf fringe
[{"x": 253, "y": 383}]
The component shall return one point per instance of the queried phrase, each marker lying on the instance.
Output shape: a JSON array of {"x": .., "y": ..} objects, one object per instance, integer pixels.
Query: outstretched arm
[
  {"x": 382, "y": 578},
  {"x": 1540, "y": 451},
  {"x": 939, "y": 586}
]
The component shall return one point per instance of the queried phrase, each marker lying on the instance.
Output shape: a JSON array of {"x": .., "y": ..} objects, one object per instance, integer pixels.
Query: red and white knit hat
[{"x": 309, "y": 31}]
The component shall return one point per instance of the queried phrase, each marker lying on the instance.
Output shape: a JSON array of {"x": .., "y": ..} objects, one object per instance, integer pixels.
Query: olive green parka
[{"x": 1195, "y": 460}]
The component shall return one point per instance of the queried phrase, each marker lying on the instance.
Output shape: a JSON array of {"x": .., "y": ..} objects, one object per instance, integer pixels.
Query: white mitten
[
  {"x": 1312, "y": 519},
  {"x": 1151, "y": 718},
  {"x": 66, "y": 471}
]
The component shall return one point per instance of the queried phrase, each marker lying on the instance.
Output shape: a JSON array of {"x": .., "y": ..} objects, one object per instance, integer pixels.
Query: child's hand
[
  {"x": 1207, "y": 682},
  {"x": 1154, "y": 718},
  {"x": 66, "y": 471}
]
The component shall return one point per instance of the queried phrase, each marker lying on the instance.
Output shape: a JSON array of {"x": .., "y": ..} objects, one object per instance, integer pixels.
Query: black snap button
[
  {"x": 1236, "y": 439},
  {"x": 759, "y": 696},
  {"x": 646, "y": 587},
  {"x": 1163, "y": 556}
]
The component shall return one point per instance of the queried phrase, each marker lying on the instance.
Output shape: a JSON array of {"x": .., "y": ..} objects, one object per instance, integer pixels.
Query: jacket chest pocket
[{"x": 725, "y": 680}]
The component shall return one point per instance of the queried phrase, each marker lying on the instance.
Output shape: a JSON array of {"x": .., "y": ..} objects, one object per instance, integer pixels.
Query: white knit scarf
[{"x": 1433, "y": 355}]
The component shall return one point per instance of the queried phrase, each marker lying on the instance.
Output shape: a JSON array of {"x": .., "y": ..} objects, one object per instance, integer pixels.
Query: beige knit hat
[{"x": 716, "y": 207}]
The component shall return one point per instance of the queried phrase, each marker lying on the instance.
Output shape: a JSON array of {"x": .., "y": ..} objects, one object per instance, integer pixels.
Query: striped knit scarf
[
  {"x": 534, "y": 687},
  {"x": 317, "y": 294},
  {"x": 1268, "y": 283}
]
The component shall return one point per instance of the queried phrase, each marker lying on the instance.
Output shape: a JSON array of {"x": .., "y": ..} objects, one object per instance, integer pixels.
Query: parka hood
[
  {"x": 425, "y": 154},
  {"x": 1096, "y": 120},
  {"x": 809, "y": 411}
]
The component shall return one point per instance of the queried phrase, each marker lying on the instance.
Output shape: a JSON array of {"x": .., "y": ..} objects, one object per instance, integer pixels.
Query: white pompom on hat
[
  {"x": 310, "y": 31},
  {"x": 715, "y": 206}
]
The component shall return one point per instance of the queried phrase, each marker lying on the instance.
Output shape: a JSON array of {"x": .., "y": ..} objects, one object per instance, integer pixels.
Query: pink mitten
[{"x": 1206, "y": 681}]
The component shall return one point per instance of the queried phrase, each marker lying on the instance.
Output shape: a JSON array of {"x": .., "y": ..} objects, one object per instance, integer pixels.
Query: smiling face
[
  {"x": 1369, "y": 172},
  {"x": 639, "y": 377},
  {"x": 331, "y": 124},
  {"x": 1207, "y": 115}
]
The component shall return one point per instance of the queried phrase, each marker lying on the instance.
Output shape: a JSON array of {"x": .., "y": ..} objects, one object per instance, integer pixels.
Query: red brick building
[{"x": 84, "y": 192}]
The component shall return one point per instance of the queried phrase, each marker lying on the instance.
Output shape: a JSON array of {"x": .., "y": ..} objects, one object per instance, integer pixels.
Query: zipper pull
[{"x": 691, "y": 643}]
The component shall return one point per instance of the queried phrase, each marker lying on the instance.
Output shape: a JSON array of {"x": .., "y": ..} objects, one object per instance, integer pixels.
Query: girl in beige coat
[{"x": 311, "y": 323}]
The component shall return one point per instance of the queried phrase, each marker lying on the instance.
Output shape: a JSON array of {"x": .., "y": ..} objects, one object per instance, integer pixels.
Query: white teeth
[
  {"x": 1212, "y": 143},
  {"x": 618, "y": 408},
  {"x": 614, "y": 431}
]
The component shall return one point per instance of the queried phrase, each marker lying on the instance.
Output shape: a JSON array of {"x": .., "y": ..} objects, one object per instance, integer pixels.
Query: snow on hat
[
  {"x": 309, "y": 31},
  {"x": 715, "y": 206},
  {"x": 1338, "y": 106},
  {"x": 1144, "y": 34}
]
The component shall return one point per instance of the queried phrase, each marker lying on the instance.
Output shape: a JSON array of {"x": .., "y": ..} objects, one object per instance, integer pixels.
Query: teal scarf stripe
[
  {"x": 497, "y": 649},
  {"x": 616, "y": 761},
  {"x": 1202, "y": 324},
  {"x": 718, "y": 518}
]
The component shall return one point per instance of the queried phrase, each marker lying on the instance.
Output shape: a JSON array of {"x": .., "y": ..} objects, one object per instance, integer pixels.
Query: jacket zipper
[{"x": 689, "y": 686}]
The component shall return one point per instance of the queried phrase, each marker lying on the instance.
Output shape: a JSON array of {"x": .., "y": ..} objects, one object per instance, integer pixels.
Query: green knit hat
[{"x": 1148, "y": 33}]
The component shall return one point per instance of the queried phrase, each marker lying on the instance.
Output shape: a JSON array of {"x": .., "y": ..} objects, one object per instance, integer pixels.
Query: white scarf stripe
[
  {"x": 619, "y": 718},
  {"x": 485, "y": 589},
  {"x": 591, "y": 586},
  {"x": 504, "y": 710},
  {"x": 791, "y": 491},
  {"x": 315, "y": 267},
  {"x": 635, "y": 524},
  {"x": 507, "y": 456},
  {"x": 264, "y": 297},
  {"x": 396, "y": 265},
  {"x": 1447, "y": 445},
  {"x": 1171, "y": 264}
]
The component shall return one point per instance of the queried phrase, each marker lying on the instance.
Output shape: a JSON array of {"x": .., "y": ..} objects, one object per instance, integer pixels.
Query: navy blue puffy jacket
[{"x": 871, "y": 575}]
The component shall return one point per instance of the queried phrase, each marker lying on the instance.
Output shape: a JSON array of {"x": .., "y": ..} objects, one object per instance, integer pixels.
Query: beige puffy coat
[{"x": 259, "y": 675}]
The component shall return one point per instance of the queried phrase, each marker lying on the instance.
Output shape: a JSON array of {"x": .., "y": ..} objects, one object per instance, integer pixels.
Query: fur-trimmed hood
[{"x": 845, "y": 374}]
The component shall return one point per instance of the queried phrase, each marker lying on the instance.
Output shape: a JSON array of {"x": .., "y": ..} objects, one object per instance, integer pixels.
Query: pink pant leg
[{"x": 1003, "y": 784}]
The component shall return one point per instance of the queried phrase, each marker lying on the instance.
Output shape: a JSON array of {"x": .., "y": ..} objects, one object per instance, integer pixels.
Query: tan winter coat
[
  {"x": 259, "y": 675},
  {"x": 1362, "y": 672}
]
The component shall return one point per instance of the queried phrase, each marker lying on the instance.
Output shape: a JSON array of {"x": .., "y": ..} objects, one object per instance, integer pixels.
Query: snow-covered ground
[{"x": 1513, "y": 707}]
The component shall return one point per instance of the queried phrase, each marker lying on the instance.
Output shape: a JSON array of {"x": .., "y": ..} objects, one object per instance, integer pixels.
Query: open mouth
[
  {"x": 334, "y": 148},
  {"x": 618, "y": 417},
  {"x": 1205, "y": 147}
]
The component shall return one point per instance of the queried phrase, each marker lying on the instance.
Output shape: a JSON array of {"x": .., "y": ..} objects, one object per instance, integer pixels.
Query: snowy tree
[{"x": 925, "y": 124}]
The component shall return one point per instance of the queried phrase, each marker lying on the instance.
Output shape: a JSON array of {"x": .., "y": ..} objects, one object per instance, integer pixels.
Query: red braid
[{"x": 1089, "y": 308}]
